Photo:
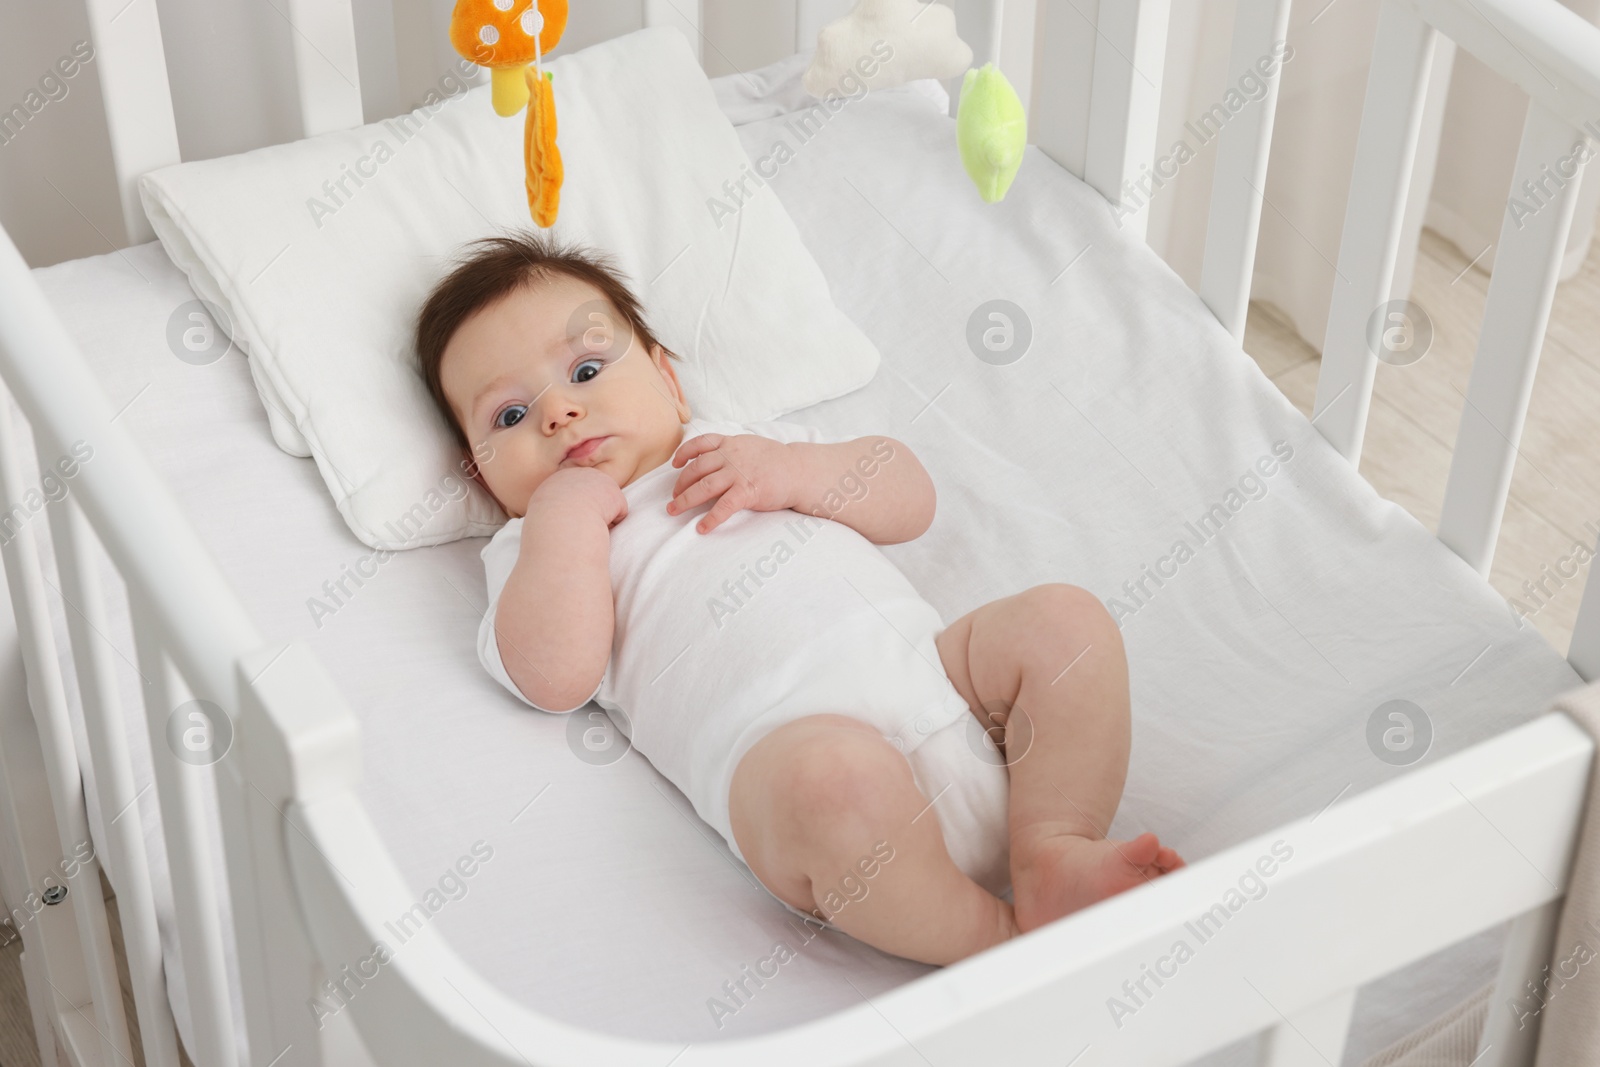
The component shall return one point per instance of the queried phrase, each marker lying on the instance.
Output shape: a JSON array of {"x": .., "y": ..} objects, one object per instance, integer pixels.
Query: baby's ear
[
  {"x": 663, "y": 358},
  {"x": 469, "y": 465}
]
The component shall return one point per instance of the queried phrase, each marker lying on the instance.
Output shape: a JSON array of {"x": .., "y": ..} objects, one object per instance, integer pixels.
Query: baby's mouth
[{"x": 585, "y": 448}]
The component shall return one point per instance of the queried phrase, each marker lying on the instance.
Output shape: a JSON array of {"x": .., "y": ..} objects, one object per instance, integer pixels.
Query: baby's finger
[
  {"x": 695, "y": 446},
  {"x": 731, "y": 503},
  {"x": 713, "y": 484},
  {"x": 698, "y": 468}
]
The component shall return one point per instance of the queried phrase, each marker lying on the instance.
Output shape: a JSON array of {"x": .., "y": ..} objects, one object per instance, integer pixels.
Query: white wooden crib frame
[{"x": 1376, "y": 879}]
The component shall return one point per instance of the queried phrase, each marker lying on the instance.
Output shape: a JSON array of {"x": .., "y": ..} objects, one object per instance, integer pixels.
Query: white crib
[{"x": 1377, "y": 882}]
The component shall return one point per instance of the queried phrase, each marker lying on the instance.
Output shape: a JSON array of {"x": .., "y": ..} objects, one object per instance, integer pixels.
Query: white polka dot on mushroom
[
  {"x": 532, "y": 21},
  {"x": 488, "y": 35}
]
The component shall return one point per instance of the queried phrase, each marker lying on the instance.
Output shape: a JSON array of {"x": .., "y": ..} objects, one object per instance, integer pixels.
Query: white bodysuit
[{"x": 772, "y": 616}]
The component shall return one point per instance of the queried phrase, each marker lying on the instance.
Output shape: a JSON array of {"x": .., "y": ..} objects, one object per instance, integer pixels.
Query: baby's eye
[
  {"x": 578, "y": 374},
  {"x": 516, "y": 410}
]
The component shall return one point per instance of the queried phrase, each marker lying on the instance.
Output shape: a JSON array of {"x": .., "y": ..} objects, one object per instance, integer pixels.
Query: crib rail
[{"x": 1359, "y": 890}]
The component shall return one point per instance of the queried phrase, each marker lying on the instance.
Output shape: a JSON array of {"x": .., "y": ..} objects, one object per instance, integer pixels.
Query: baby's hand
[
  {"x": 583, "y": 487},
  {"x": 744, "y": 471}
]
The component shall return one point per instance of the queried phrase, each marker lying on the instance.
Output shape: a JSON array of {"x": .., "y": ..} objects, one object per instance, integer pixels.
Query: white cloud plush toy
[{"x": 920, "y": 41}]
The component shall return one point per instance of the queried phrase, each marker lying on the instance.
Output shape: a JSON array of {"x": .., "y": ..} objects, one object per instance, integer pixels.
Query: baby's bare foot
[{"x": 1062, "y": 872}]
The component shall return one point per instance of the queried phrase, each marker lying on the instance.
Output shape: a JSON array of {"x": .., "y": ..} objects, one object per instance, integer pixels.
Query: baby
[{"x": 716, "y": 587}]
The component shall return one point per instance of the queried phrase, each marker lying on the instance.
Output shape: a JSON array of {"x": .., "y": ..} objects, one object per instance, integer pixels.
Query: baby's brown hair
[{"x": 496, "y": 266}]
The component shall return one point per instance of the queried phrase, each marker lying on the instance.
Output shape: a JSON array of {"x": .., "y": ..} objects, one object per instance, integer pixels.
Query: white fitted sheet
[{"x": 607, "y": 903}]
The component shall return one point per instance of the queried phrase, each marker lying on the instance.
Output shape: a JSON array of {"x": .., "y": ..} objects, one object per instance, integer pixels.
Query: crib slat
[
  {"x": 1313, "y": 1037},
  {"x": 1510, "y": 1038},
  {"x": 108, "y": 748},
  {"x": 1017, "y": 52},
  {"x": 1260, "y": 29},
  {"x": 138, "y": 100},
  {"x": 1125, "y": 101},
  {"x": 1584, "y": 653},
  {"x": 22, "y": 789},
  {"x": 683, "y": 14},
  {"x": 180, "y": 789},
  {"x": 326, "y": 75},
  {"x": 48, "y": 702},
  {"x": 1429, "y": 138},
  {"x": 1391, "y": 119},
  {"x": 1059, "y": 119},
  {"x": 1515, "y": 315}
]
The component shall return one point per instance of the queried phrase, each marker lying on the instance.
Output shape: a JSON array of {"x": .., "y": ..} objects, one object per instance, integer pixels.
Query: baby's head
[{"x": 529, "y": 348}]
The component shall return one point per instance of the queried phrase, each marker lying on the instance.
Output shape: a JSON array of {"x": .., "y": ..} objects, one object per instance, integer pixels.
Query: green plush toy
[{"x": 991, "y": 131}]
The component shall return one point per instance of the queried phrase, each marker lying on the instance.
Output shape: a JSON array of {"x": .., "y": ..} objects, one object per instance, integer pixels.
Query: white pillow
[{"x": 321, "y": 252}]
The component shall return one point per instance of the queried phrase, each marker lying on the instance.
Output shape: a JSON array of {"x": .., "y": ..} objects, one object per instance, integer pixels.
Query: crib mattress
[{"x": 1130, "y": 424}]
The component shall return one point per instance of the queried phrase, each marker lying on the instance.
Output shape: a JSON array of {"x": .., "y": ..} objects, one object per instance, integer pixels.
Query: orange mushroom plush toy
[{"x": 510, "y": 37}]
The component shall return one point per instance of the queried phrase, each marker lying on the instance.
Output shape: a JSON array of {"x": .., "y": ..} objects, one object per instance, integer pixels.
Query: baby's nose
[{"x": 562, "y": 416}]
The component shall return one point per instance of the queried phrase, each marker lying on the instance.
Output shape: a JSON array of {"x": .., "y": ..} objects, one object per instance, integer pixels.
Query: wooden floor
[
  {"x": 1406, "y": 455},
  {"x": 16, "y": 1025}
]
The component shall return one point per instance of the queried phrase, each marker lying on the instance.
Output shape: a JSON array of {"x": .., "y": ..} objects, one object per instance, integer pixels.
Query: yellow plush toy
[
  {"x": 991, "y": 131},
  {"x": 510, "y": 37},
  {"x": 543, "y": 166}
]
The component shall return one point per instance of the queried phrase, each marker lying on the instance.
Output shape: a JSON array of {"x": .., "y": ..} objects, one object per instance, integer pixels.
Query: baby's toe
[{"x": 1142, "y": 851}]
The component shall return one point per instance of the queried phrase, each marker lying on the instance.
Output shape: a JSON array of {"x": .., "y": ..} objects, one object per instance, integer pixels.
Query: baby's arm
[
  {"x": 874, "y": 485},
  {"x": 555, "y": 617}
]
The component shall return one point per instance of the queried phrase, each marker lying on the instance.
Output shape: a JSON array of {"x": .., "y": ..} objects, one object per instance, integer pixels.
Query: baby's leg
[
  {"x": 814, "y": 798},
  {"x": 1047, "y": 665}
]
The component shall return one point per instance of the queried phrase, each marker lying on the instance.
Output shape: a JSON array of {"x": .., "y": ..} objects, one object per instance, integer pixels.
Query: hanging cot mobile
[{"x": 511, "y": 37}]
